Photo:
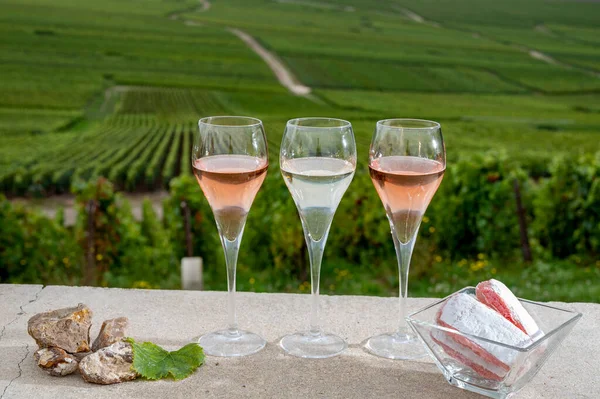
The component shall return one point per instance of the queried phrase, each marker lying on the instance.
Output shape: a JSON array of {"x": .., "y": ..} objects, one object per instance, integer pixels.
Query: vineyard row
[{"x": 134, "y": 156}]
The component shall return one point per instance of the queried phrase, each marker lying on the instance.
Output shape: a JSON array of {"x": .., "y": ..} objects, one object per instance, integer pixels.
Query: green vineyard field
[
  {"x": 102, "y": 96},
  {"x": 115, "y": 88}
]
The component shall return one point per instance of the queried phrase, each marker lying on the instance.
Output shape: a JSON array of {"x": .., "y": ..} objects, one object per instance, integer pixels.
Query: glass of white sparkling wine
[
  {"x": 230, "y": 163},
  {"x": 407, "y": 161},
  {"x": 317, "y": 160}
]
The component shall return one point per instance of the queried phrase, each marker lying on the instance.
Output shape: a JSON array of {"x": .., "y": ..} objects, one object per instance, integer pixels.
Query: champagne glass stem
[
  {"x": 231, "y": 249},
  {"x": 403, "y": 253},
  {"x": 315, "y": 253}
]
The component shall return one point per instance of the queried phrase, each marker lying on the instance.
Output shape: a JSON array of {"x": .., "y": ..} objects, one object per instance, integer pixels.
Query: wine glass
[
  {"x": 230, "y": 162},
  {"x": 407, "y": 161},
  {"x": 317, "y": 160}
]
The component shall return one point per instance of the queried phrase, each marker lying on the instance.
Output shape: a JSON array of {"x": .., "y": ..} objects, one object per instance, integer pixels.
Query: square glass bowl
[{"x": 464, "y": 369}]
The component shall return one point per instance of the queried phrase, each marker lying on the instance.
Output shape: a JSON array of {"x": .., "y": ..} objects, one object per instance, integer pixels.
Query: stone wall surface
[{"x": 174, "y": 318}]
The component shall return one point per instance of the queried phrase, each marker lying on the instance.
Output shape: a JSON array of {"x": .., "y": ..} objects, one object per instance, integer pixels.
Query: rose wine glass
[
  {"x": 317, "y": 160},
  {"x": 230, "y": 162},
  {"x": 407, "y": 161}
]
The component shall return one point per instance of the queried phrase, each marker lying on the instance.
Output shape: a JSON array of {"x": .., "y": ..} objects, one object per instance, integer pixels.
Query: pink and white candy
[
  {"x": 463, "y": 312},
  {"x": 497, "y": 296},
  {"x": 467, "y": 356}
]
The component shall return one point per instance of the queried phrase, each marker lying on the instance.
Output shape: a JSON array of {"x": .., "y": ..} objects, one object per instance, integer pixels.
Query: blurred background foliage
[{"x": 469, "y": 233}]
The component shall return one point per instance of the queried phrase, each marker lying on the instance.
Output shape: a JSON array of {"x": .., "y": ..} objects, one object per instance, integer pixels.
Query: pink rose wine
[
  {"x": 230, "y": 183},
  {"x": 406, "y": 185}
]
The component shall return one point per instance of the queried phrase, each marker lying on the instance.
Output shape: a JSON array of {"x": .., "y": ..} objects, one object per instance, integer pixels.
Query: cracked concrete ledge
[
  {"x": 5, "y": 386},
  {"x": 174, "y": 318},
  {"x": 12, "y": 300},
  {"x": 13, "y": 319}
]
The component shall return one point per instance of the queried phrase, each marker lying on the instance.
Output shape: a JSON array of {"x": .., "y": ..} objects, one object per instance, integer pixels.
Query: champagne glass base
[
  {"x": 395, "y": 346},
  {"x": 313, "y": 345},
  {"x": 231, "y": 343}
]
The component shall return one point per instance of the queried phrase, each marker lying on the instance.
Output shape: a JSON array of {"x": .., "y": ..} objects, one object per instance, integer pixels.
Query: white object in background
[{"x": 191, "y": 274}]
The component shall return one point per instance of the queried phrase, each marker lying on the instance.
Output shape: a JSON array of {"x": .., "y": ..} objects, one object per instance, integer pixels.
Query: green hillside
[{"x": 115, "y": 87}]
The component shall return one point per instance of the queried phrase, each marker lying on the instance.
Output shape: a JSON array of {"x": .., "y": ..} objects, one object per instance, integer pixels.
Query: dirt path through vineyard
[
  {"x": 283, "y": 74},
  {"x": 533, "y": 53}
]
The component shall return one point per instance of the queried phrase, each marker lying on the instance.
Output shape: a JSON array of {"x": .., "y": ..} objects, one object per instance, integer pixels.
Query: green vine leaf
[{"x": 153, "y": 362}]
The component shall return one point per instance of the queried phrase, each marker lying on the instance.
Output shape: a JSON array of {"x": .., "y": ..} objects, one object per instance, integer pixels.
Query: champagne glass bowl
[
  {"x": 407, "y": 160},
  {"x": 230, "y": 161},
  {"x": 317, "y": 160}
]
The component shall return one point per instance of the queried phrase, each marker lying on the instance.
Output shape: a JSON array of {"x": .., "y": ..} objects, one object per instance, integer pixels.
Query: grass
[{"x": 541, "y": 281}]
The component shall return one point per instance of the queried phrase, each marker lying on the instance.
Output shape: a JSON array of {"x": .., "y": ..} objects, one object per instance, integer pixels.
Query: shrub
[
  {"x": 146, "y": 257},
  {"x": 274, "y": 234},
  {"x": 475, "y": 211},
  {"x": 567, "y": 208},
  {"x": 36, "y": 249},
  {"x": 469, "y": 232},
  {"x": 96, "y": 229}
]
